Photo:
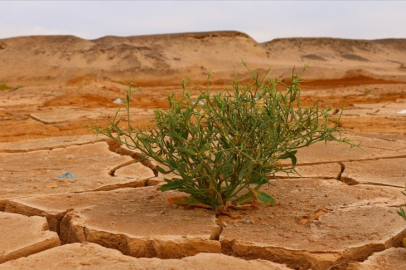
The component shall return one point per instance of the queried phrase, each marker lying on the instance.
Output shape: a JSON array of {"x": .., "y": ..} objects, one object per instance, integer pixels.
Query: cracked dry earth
[{"x": 340, "y": 214}]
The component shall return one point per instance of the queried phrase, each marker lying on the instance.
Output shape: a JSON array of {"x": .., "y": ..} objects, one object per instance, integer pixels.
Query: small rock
[
  {"x": 119, "y": 101},
  {"x": 67, "y": 175}
]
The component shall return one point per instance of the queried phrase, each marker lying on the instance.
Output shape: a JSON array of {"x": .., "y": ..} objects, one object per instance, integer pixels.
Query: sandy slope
[{"x": 165, "y": 59}]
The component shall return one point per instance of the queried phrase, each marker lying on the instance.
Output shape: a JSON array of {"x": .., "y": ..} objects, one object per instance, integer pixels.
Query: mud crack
[
  {"x": 344, "y": 160},
  {"x": 44, "y": 148}
]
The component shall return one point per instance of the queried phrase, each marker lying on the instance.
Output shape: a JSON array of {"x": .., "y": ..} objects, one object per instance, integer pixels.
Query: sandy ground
[{"x": 340, "y": 215}]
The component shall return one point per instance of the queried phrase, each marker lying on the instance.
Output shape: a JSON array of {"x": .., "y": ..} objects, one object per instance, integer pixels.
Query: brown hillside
[{"x": 166, "y": 59}]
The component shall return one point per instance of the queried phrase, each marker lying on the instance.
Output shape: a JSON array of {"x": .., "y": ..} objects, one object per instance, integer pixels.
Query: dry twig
[{"x": 115, "y": 146}]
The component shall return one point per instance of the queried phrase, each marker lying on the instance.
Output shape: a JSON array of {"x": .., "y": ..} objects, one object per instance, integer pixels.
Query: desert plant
[
  {"x": 402, "y": 213},
  {"x": 4, "y": 87},
  {"x": 224, "y": 145}
]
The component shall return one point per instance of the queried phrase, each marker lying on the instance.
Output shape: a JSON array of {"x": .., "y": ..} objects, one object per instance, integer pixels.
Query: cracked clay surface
[{"x": 70, "y": 200}]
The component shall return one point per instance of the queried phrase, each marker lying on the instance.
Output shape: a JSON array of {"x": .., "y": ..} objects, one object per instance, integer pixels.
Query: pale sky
[{"x": 262, "y": 20}]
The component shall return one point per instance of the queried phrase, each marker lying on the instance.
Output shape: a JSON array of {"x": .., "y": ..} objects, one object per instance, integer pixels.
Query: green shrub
[
  {"x": 4, "y": 87},
  {"x": 402, "y": 213},
  {"x": 224, "y": 145}
]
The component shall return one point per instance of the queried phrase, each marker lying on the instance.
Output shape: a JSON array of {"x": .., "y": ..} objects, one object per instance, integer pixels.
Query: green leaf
[
  {"x": 293, "y": 159},
  {"x": 290, "y": 155},
  {"x": 205, "y": 147},
  {"x": 228, "y": 168},
  {"x": 259, "y": 179},
  {"x": 186, "y": 151},
  {"x": 186, "y": 113},
  {"x": 244, "y": 171},
  {"x": 402, "y": 213},
  {"x": 218, "y": 157},
  {"x": 196, "y": 170},
  {"x": 173, "y": 164},
  {"x": 293, "y": 96},
  {"x": 184, "y": 133},
  {"x": 244, "y": 198},
  {"x": 159, "y": 169},
  {"x": 195, "y": 192},
  {"x": 172, "y": 184},
  {"x": 224, "y": 141},
  {"x": 262, "y": 197}
]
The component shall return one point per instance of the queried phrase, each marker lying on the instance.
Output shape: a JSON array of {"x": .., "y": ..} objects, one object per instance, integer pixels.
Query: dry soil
[{"x": 60, "y": 208}]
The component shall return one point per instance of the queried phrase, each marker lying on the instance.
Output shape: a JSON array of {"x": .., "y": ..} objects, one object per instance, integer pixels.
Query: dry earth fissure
[{"x": 71, "y": 229}]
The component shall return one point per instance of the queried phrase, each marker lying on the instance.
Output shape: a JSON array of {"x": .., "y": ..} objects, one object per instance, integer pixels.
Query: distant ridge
[
  {"x": 165, "y": 59},
  {"x": 342, "y": 44},
  {"x": 185, "y": 34}
]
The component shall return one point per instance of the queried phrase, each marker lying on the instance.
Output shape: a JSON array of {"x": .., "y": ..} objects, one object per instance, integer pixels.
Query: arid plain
[{"x": 60, "y": 208}]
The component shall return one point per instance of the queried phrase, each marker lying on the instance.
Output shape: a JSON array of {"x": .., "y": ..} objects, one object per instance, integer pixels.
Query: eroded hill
[{"x": 166, "y": 59}]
